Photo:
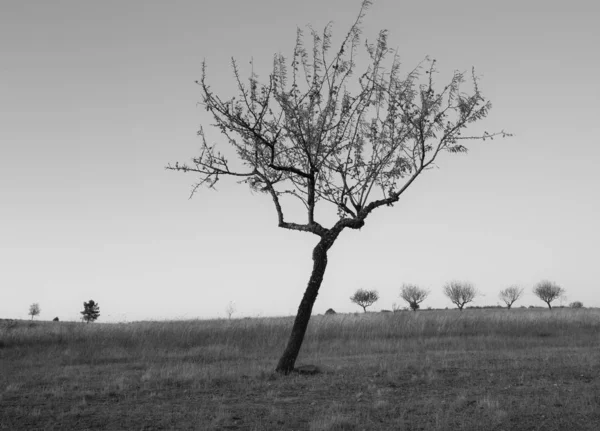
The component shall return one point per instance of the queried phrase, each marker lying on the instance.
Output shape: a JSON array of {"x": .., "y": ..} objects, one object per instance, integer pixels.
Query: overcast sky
[{"x": 96, "y": 98}]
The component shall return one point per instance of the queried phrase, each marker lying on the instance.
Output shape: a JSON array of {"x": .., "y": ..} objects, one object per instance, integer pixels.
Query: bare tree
[
  {"x": 460, "y": 293},
  {"x": 396, "y": 307},
  {"x": 230, "y": 309},
  {"x": 365, "y": 298},
  {"x": 34, "y": 310},
  {"x": 510, "y": 295},
  {"x": 576, "y": 304},
  {"x": 414, "y": 295},
  {"x": 548, "y": 291},
  {"x": 308, "y": 134}
]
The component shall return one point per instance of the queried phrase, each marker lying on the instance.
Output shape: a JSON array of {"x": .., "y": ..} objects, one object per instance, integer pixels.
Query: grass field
[{"x": 431, "y": 370}]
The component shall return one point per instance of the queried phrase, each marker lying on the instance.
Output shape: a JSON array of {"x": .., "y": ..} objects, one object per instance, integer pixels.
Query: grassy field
[{"x": 431, "y": 370}]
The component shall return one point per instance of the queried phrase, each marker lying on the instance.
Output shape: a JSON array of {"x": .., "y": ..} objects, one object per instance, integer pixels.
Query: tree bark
[{"x": 290, "y": 354}]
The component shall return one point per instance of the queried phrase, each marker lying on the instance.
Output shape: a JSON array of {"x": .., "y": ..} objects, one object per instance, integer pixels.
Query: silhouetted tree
[
  {"x": 510, "y": 295},
  {"x": 414, "y": 295},
  {"x": 576, "y": 304},
  {"x": 91, "y": 311},
  {"x": 460, "y": 293},
  {"x": 548, "y": 291},
  {"x": 34, "y": 310},
  {"x": 365, "y": 298},
  {"x": 309, "y": 134}
]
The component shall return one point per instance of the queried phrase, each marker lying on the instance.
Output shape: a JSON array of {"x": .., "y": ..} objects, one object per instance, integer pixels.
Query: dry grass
[{"x": 438, "y": 370}]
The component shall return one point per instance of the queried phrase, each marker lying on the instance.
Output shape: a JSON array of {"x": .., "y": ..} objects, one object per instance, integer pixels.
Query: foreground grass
[{"x": 438, "y": 370}]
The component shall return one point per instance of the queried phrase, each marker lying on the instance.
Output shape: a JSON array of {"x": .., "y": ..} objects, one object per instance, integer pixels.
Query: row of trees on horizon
[
  {"x": 461, "y": 293},
  {"x": 90, "y": 313}
]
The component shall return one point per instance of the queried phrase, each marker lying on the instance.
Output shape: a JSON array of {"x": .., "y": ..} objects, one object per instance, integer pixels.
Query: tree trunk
[{"x": 290, "y": 354}]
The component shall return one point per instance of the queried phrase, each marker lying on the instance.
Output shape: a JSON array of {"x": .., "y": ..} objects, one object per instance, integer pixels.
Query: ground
[{"x": 430, "y": 370}]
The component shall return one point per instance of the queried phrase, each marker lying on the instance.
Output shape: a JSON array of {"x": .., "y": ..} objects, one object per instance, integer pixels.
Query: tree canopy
[{"x": 311, "y": 134}]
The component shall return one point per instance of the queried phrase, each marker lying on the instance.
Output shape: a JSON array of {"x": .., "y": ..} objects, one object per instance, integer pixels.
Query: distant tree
[
  {"x": 576, "y": 304},
  {"x": 55, "y": 319},
  {"x": 330, "y": 311},
  {"x": 414, "y": 295},
  {"x": 511, "y": 294},
  {"x": 365, "y": 298},
  {"x": 310, "y": 135},
  {"x": 230, "y": 309},
  {"x": 34, "y": 310},
  {"x": 91, "y": 311},
  {"x": 460, "y": 293},
  {"x": 548, "y": 291}
]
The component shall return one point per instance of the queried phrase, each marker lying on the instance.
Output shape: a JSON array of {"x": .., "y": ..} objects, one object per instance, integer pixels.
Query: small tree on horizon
[
  {"x": 548, "y": 291},
  {"x": 91, "y": 311},
  {"x": 365, "y": 298},
  {"x": 34, "y": 310},
  {"x": 414, "y": 295},
  {"x": 460, "y": 293},
  {"x": 336, "y": 140},
  {"x": 230, "y": 309},
  {"x": 510, "y": 295}
]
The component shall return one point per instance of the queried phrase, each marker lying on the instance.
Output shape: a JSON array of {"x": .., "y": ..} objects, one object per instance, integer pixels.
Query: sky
[{"x": 96, "y": 98}]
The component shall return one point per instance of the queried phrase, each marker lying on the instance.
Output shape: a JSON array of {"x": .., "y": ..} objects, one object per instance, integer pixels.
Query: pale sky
[{"x": 96, "y": 98}]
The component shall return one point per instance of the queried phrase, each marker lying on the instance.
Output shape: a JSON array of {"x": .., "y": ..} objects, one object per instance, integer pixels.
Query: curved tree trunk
[{"x": 290, "y": 354}]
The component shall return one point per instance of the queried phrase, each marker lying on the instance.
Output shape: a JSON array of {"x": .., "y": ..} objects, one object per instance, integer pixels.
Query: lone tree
[
  {"x": 414, "y": 295},
  {"x": 548, "y": 291},
  {"x": 510, "y": 295},
  {"x": 365, "y": 298},
  {"x": 91, "y": 311},
  {"x": 34, "y": 310},
  {"x": 460, "y": 293},
  {"x": 312, "y": 134},
  {"x": 230, "y": 309}
]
